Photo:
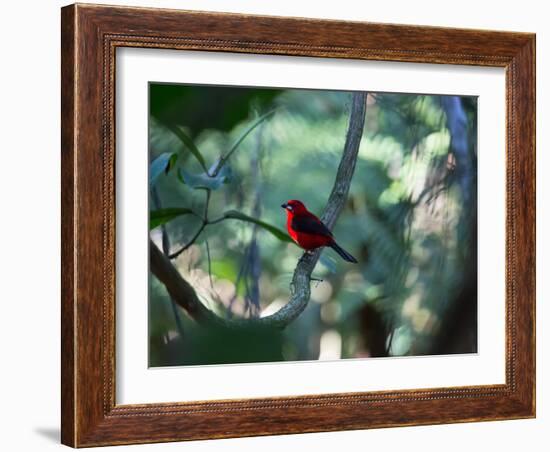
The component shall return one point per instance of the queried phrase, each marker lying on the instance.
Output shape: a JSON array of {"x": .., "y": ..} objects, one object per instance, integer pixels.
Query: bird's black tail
[{"x": 343, "y": 253}]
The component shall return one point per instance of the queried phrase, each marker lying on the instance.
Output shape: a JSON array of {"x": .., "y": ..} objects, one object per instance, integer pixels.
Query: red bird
[{"x": 308, "y": 231}]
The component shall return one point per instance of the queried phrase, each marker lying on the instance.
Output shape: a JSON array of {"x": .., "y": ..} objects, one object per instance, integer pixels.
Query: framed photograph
[{"x": 281, "y": 225}]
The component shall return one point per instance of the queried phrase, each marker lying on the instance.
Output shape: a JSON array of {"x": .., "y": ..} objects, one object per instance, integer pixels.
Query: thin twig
[
  {"x": 209, "y": 264},
  {"x": 166, "y": 251},
  {"x": 242, "y": 272},
  {"x": 164, "y": 232},
  {"x": 190, "y": 243},
  {"x": 206, "y": 205},
  {"x": 222, "y": 161},
  {"x": 204, "y": 223},
  {"x": 428, "y": 190},
  {"x": 219, "y": 166},
  {"x": 255, "y": 259}
]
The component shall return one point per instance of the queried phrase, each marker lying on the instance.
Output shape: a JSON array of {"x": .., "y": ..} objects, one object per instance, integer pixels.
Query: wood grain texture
[
  {"x": 90, "y": 36},
  {"x": 68, "y": 310}
]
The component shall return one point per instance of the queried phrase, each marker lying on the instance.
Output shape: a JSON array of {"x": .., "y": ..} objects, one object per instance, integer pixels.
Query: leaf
[
  {"x": 255, "y": 124},
  {"x": 225, "y": 171},
  {"x": 171, "y": 163},
  {"x": 201, "y": 107},
  {"x": 189, "y": 144},
  {"x": 162, "y": 216},
  {"x": 163, "y": 163},
  {"x": 203, "y": 180},
  {"x": 281, "y": 235}
]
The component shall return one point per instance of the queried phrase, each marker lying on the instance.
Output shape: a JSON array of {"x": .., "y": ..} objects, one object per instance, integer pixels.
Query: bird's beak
[{"x": 284, "y": 206}]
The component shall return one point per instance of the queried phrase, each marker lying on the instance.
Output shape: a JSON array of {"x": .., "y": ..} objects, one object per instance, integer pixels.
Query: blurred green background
[{"x": 410, "y": 220}]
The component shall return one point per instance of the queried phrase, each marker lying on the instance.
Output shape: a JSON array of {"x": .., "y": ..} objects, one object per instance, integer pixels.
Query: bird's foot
[{"x": 317, "y": 280}]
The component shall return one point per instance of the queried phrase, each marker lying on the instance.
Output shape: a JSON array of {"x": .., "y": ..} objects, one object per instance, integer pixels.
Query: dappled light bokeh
[{"x": 410, "y": 220}]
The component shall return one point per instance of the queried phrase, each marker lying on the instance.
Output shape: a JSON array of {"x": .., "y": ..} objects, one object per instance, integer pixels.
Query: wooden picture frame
[{"x": 90, "y": 36}]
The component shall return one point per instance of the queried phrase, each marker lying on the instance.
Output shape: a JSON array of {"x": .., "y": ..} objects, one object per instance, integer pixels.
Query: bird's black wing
[{"x": 309, "y": 225}]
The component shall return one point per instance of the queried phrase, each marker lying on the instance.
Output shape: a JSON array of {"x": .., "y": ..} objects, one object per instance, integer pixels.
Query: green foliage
[
  {"x": 404, "y": 218},
  {"x": 247, "y": 131},
  {"x": 163, "y": 216},
  {"x": 282, "y": 236},
  {"x": 199, "y": 107},
  {"x": 162, "y": 164},
  {"x": 203, "y": 180},
  {"x": 188, "y": 143}
]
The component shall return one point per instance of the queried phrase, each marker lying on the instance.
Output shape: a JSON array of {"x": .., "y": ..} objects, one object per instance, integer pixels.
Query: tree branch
[
  {"x": 166, "y": 251},
  {"x": 184, "y": 294},
  {"x": 188, "y": 245},
  {"x": 302, "y": 275},
  {"x": 204, "y": 223},
  {"x": 164, "y": 232}
]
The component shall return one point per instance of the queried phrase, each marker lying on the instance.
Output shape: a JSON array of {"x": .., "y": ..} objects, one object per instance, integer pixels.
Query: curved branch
[
  {"x": 184, "y": 294},
  {"x": 302, "y": 274},
  {"x": 191, "y": 241},
  {"x": 166, "y": 251}
]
